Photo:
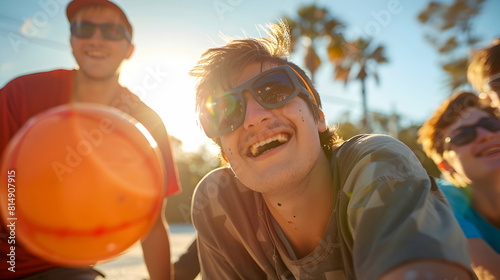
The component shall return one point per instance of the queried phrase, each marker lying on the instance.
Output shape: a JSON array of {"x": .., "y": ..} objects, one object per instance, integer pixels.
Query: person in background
[
  {"x": 463, "y": 138},
  {"x": 101, "y": 40},
  {"x": 296, "y": 202},
  {"x": 483, "y": 72}
]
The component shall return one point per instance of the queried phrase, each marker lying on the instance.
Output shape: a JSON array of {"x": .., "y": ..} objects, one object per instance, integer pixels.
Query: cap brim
[{"x": 75, "y": 5}]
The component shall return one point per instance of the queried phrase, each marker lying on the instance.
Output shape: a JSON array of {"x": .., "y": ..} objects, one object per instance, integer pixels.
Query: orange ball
[{"x": 86, "y": 183}]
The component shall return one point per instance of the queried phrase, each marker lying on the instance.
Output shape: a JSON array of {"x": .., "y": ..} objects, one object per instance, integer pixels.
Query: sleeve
[
  {"x": 174, "y": 185},
  {"x": 393, "y": 212},
  {"x": 213, "y": 263},
  {"x": 232, "y": 240},
  {"x": 208, "y": 218},
  {"x": 9, "y": 122}
]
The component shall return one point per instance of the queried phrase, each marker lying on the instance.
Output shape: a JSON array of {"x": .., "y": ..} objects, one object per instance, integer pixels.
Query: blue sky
[{"x": 170, "y": 36}]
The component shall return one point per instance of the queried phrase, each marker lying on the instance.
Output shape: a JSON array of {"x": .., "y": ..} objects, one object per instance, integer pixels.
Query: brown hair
[
  {"x": 484, "y": 63},
  {"x": 219, "y": 66}
]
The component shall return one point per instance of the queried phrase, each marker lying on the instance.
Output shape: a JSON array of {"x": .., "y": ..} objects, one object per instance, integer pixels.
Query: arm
[
  {"x": 484, "y": 259},
  {"x": 427, "y": 270},
  {"x": 156, "y": 246},
  {"x": 156, "y": 249},
  {"x": 188, "y": 266}
]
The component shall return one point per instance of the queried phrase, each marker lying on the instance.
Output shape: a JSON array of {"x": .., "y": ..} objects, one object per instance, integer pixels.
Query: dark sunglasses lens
[
  {"x": 490, "y": 124},
  {"x": 83, "y": 29},
  {"x": 465, "y": 136},
  {"x": 495, "y": 85},
  {"x": 469, "y": 134},
  {"x": 113, "y": 31},
  {"x": 86, "y": 30},
  {"x": 221, "y": 114},
  {"x": 274, "y": 88}
]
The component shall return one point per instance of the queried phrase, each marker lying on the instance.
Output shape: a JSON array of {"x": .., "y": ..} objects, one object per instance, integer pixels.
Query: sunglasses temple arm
[{"x": 307, "y": 86}]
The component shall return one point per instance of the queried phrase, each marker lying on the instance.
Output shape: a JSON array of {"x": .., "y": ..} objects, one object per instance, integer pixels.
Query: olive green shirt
[{"x": 387, "y": 212}]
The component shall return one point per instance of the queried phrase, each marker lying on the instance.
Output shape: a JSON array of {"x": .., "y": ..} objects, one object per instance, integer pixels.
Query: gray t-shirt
[{"x": 387, "y": 212}]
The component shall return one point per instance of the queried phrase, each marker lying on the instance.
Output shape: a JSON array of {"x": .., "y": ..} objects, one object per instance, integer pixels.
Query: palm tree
[
  {"x": 450, "y": 33},
  {"x": 313, "y": 24},
  {"x": 359, "y": 61}
]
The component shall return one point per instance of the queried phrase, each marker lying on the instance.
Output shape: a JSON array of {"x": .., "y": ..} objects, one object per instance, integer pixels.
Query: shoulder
[
  {"x": 131, "y": 104},
  {"x": 37, "y": 83},
  {"x": 456, "y": 196},
  {"x": 378, "y": 152},
  {"x": 453, "y": 193},
  {"x": 365, "y": 144},
  {"x": 221, "y": 193},
  {"x": 41, "y": 77},
  {"x": 216, "y": 185}
]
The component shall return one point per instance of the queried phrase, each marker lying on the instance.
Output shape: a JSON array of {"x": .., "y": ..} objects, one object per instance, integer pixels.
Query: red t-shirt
[{"x": 31, "y": 94}]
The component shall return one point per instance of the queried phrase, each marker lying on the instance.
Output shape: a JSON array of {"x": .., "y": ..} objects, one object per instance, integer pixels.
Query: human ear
[
  {"x": 130, "y": 51},
  {"x": 322, "y": 123}
]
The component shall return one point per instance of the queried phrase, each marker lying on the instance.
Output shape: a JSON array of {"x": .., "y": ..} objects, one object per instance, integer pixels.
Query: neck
[
  {"x": 486, "y": 200},
  {"x": 91, "y": 90},
  {"x": 303, "y": 213}
]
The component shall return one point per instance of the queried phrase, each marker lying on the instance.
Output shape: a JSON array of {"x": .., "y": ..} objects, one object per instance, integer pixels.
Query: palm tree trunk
[{"x": 366, "y": 127}]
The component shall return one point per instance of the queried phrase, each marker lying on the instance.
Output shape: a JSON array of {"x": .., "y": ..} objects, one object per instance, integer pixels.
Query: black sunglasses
[
  {"x": 110, "y": 31},
  {"x": 466, "y": 134},
  {"x": 494, "y": 83},
  {"x": 221, "y": 114}
]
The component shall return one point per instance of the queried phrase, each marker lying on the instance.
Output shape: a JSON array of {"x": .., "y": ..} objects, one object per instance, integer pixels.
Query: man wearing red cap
[{"x": 101, "y": 39}]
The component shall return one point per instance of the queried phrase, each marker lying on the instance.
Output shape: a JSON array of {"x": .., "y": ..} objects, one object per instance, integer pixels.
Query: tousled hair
[{"x": 484, "y": 63}]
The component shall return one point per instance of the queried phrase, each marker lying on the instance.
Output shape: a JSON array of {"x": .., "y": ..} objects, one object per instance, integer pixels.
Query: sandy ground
[{"x": 130, "y": 266}]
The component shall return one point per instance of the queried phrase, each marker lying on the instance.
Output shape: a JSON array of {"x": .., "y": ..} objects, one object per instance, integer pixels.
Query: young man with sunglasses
[
  {"x": 101, "y": 40},
  {"x": 463, "y": 138},
  {"x": 296, "y": 203},
  {"x": 484, "y": 72}
]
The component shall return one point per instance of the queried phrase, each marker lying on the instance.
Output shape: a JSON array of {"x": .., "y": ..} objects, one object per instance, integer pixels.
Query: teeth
[
  {"x": 491, "y": 151},
  {"x": 282, "y": 138},
  {"x": 97, "y": 54}
]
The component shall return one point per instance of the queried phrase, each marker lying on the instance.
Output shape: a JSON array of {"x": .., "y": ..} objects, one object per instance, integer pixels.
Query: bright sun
[{"x": 165, "y": 86}]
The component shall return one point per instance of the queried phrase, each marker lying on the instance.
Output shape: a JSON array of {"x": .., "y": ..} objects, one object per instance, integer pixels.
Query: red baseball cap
[{"x": 75, "y": 5}]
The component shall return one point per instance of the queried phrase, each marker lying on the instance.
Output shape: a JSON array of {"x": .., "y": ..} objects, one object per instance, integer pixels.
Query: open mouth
[
  {"x": 268, "y": 144},
  {"x": 96, "y": 54}
]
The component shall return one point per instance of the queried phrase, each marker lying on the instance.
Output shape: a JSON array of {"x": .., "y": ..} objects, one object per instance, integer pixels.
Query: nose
[
  {"x": 97, "y": 35},
  {"x": 255, "y": 115}
]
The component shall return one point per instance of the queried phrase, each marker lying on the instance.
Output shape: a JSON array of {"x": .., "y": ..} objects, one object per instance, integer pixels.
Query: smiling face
[
  {"x": 479, "y": 159},
  {"x": 97, "y": 57},
  {"x": 274, "y": 148}
]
